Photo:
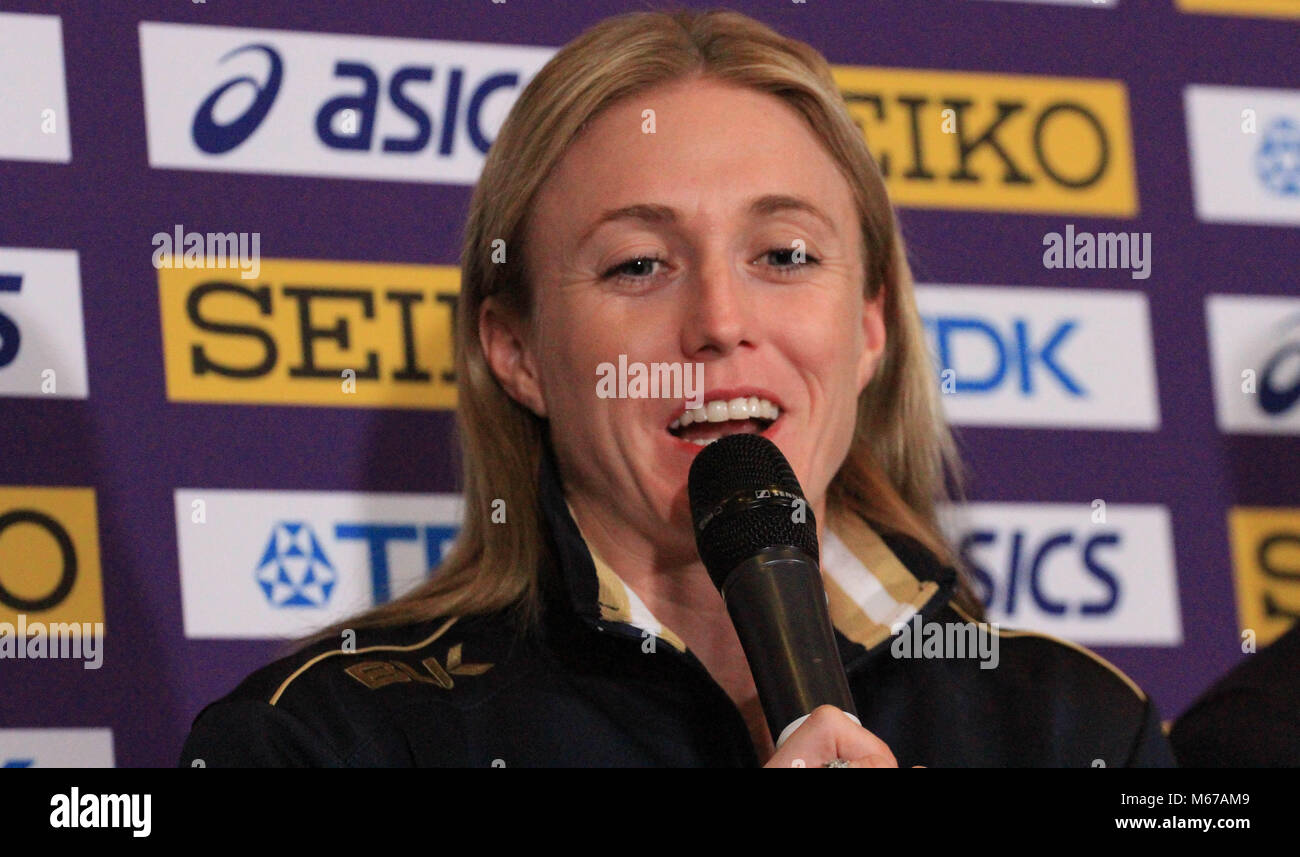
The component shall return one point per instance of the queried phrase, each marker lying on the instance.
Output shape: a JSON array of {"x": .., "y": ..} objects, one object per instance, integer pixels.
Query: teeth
[{"x": 721, "y": 410}]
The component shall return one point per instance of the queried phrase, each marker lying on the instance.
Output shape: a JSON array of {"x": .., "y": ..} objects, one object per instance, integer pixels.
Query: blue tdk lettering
[
  {"x": 1025, "y": 354},
  {"x": 1044, "y": 356},
  {"x": 437, "y": 540},
  {"x": 946, "y": 328},
  {"x": 377, "y": 537}
]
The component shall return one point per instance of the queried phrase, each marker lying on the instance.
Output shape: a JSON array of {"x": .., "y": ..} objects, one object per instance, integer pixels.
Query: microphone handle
[{"x": 777, "y": 602}]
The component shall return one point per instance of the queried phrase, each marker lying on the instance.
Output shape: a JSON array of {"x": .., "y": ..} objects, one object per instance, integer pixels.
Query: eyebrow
[
  {"x": 658, "y": 215},
  {"x": 775, "y": 203}
]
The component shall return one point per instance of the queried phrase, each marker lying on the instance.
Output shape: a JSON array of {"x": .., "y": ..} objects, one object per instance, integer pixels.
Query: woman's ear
[
  {"x": 873, "y": 337},
  {"x": 503, "y": 337}
]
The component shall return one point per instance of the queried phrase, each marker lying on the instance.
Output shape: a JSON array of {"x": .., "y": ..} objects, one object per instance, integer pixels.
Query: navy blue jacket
[{"x": 602, "y": 683}]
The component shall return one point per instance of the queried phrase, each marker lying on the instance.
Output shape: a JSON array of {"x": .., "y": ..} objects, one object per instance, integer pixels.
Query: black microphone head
[{"x": 745, "y": 499}]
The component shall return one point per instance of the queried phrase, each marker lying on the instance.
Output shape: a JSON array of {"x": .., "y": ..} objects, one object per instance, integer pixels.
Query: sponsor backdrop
[{"x": 228, "y": 271}]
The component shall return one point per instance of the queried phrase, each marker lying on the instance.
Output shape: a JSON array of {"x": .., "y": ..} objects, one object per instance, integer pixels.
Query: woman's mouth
[{"x": 721, "y": 417}]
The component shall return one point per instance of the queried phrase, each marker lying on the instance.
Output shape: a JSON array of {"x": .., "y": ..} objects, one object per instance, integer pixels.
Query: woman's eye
[
  {"x": 644, "y": 268},
  {"x": 783, "y": 259},
  {"x": 634, "y": 269}
]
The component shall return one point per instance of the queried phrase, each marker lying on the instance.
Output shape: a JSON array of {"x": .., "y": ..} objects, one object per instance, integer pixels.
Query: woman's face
[{"x": 700, "y": 267}]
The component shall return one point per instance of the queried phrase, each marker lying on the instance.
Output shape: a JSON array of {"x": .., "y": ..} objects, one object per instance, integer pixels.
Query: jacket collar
[{"x": 875, "y": 583}]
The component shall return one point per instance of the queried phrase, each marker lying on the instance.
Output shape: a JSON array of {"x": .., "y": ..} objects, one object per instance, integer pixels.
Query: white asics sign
[{"x": 312, "y": 104}]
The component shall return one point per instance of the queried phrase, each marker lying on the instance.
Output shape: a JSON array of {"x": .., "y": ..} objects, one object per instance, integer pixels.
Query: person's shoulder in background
[
  {"x": 1092, "y": 705},
  {"x": 317, "y": 707},
  {"x": 1249, "y": 717},
  {"x": 1049, "y": 701}
]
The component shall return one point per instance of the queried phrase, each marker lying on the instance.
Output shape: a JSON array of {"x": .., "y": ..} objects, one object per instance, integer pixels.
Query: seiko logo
[
  {"x": 1266, "y": 566},
  {"x": 996, "y": 142},
  {"x": 343, "y": 334}
]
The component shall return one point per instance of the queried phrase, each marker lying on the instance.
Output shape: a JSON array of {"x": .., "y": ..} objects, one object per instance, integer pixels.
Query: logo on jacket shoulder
[{"x": 377, "y": 674}]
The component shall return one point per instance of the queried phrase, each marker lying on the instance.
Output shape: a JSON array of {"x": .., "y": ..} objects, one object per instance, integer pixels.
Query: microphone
[{"x": 758, "y": 539}]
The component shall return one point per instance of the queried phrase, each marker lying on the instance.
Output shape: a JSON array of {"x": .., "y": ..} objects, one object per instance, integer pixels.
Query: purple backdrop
[{"x": 135, "y": 447}]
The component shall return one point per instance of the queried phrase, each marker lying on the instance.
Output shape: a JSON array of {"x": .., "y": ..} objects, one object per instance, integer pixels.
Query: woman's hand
[{"x": 828, "y": 734}]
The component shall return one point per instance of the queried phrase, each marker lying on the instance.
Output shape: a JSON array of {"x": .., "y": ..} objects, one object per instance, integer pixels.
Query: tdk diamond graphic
[
  {"x": 1278, "y": 158},
  {"x": 294, "y": 571}
]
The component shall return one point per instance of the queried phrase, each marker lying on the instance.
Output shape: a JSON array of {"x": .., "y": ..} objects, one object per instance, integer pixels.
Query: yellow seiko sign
[
  {"x": 1266, "y": 565},
  {"x": 997, "y": 142},
  {"x": 1259, "y": 8},
  {"x": 49, "y": 555},
  {"x": 341, "y": 334}
]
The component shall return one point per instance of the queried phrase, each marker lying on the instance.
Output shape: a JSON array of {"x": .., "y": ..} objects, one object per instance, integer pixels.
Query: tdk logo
[
  {"x": 270, "y": 101},
  {"x": 294, "y": 571},
  {"x": 1278, "y": 160},
  {"x": 434, "y": 539},
  {"x": 1042, "y": 357},
  {"x": 18, "y": 763},
  {"x": 311, "y": 557},
  {"x": 1094, "y": 572},
  {"x": 1013, "y": 357}
]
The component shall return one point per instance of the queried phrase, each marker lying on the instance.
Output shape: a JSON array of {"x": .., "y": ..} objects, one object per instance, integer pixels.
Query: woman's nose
[{"x": 716, "y": 313}]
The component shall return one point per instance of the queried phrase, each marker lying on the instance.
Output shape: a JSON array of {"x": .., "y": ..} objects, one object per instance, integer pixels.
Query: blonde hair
[{"x": 902, "y": 455}]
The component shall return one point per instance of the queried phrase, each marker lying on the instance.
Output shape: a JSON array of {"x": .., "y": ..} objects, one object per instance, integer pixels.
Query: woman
[{"x": 687, "y": 189}]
